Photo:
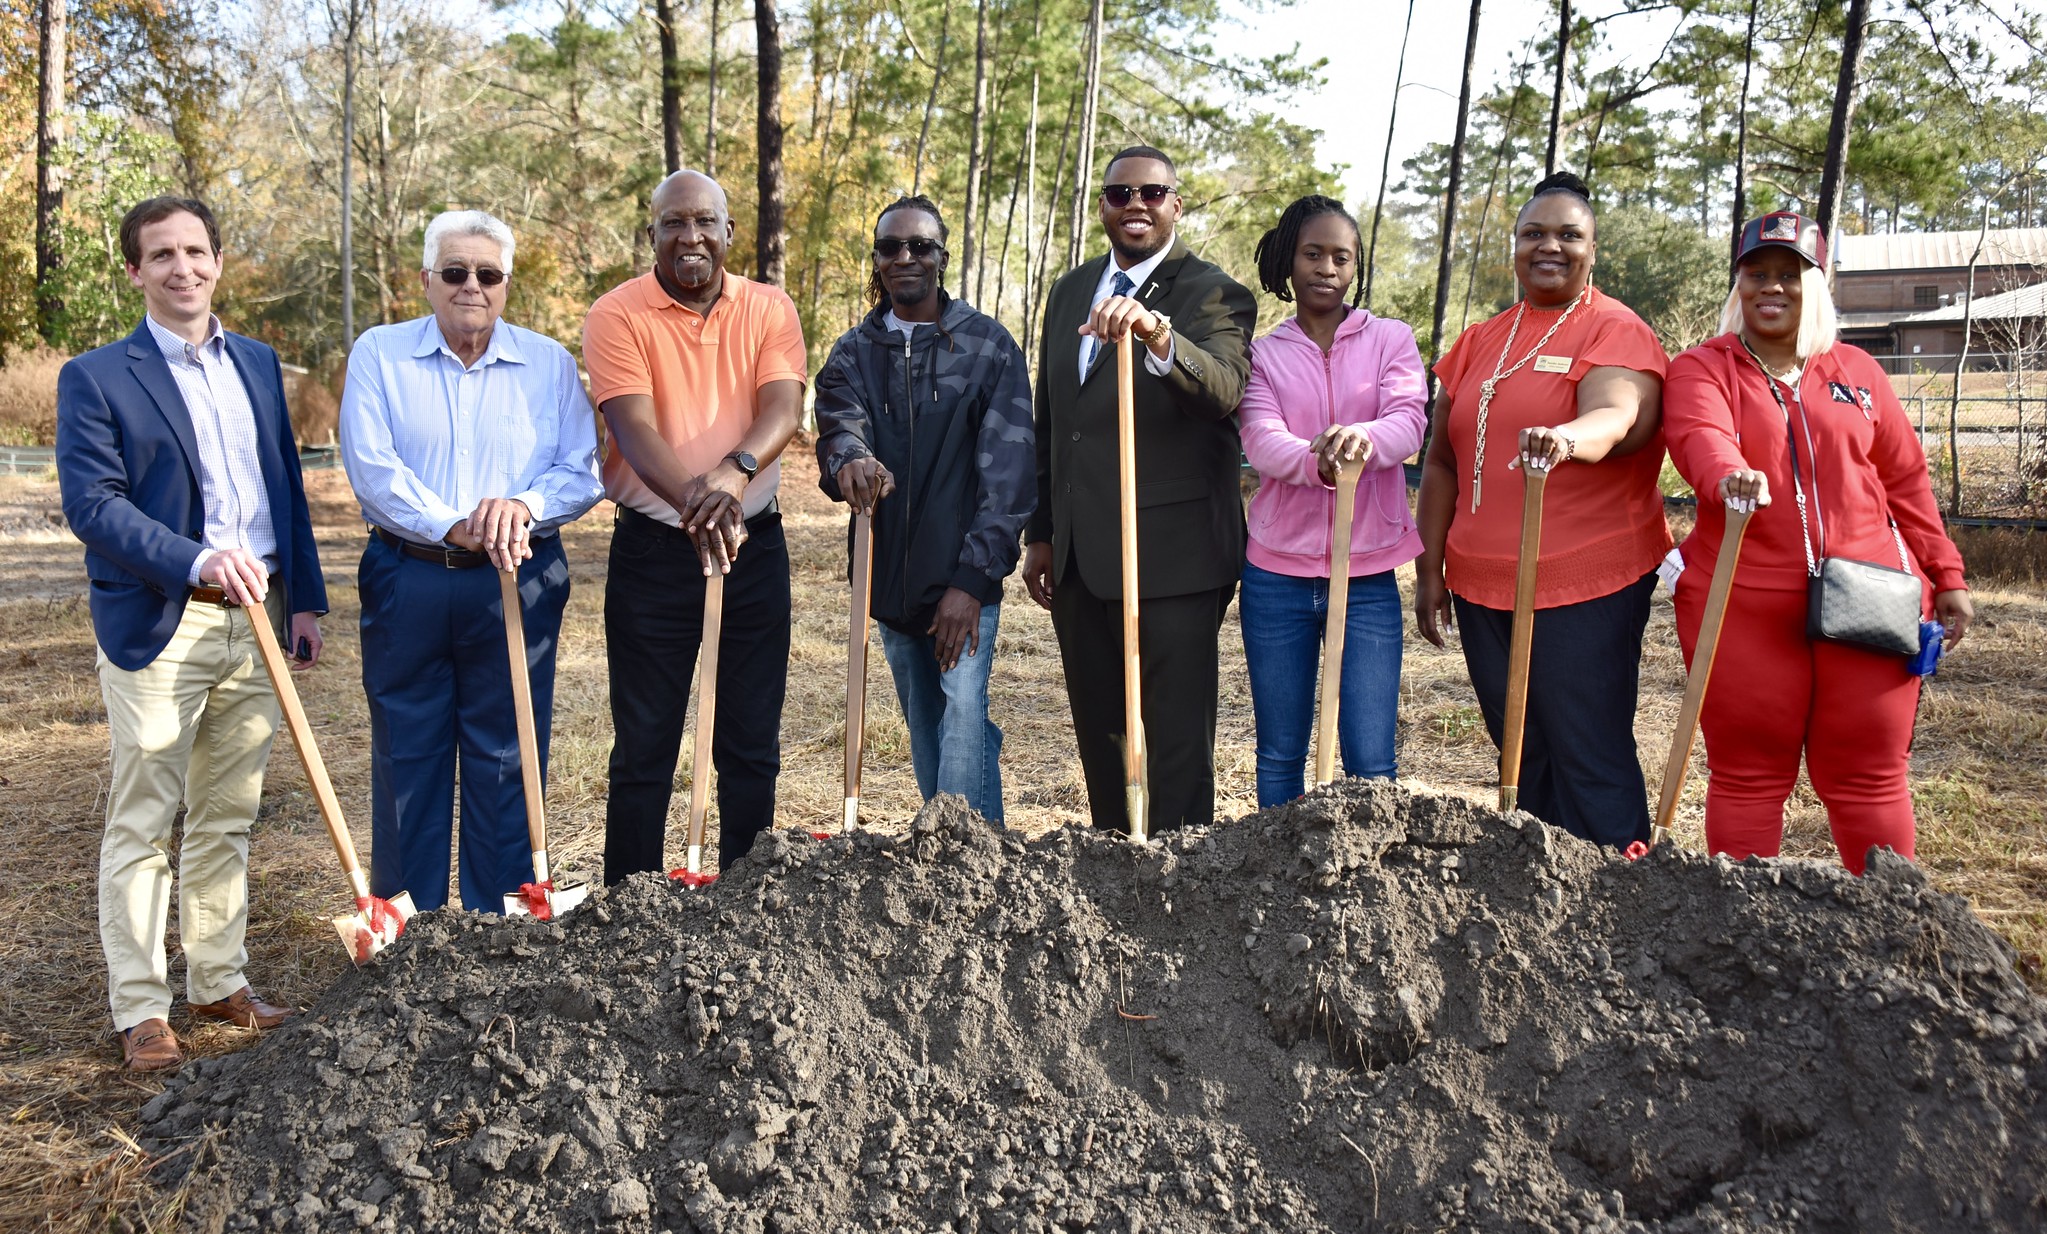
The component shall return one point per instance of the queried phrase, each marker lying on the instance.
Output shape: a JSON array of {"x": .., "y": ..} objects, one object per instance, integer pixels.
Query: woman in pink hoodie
[{"x": 1330, "y": 384}]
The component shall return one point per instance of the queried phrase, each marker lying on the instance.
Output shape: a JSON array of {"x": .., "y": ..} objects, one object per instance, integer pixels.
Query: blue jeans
[
  {"x": 954, "y": 746},
  {"x": 1283, "y": 618}
]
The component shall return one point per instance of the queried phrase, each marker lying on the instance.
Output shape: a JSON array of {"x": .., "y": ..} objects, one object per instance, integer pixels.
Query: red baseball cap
[{"x": 1784, "y": 229}]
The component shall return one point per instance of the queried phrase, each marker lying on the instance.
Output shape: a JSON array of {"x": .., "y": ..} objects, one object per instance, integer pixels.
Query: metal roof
[
  {"x": 2025, "y": 302},
  {"x": 1937, "y": 250}
]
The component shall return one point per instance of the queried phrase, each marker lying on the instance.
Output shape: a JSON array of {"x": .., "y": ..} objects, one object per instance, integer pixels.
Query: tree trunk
[
  {"x": 1031, "y": 305},
  {"x": 348, "y": 44},
  {"x": 1030, "y": 284},
  {"x": 49, "y": 176},
  {"x": 1954, "y": 407},
  {"x": 1748, "y": 64},
  {"x": 1834, "y": 176},
  {"x": 931, "y": 100},
  {"x": 1386, "y": 160},
  {"x": 671, "y": 87},
  {"x": 1556, "y": 97},
  {"x": 711, "y": 110},
  {"x": 770, "y": 242},
  {"x": 1500, "y": 160},
  {"x": 1450, "y": 198},
  {"x": 976, "y": 157},
  {"x": 1084, "y": 158}
]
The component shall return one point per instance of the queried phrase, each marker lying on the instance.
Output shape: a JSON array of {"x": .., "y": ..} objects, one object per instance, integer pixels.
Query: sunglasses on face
[
  {"x": 456, "y": 276},
  {"x": 1120, "y": 195},
  {"x": 888, "y": 248}
]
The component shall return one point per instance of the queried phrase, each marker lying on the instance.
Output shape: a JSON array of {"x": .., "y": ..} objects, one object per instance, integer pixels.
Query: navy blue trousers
[
  {"x": 1579, "y": 768},
  {"x": 440, "y": 691}
]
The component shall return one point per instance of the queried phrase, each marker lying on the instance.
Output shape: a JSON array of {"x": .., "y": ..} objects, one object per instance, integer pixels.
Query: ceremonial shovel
[
  {"x": 1710, "y": 620},
  {"x": 376, "y": 923},
  {"x": 1332, "y": 632},
  {"x": 1136, "y": 787},
  {"x": 692, "y": 874},
  {"x": 1514, "y": 723},
  {"x": 856, "y": 661},
  {"x": 539, "y": 898}
]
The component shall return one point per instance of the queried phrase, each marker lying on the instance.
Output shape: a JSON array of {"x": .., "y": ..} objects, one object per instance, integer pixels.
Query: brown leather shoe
[
  {"x": 244, "y": 1010},
  {"x": 150, "y": 1046}
]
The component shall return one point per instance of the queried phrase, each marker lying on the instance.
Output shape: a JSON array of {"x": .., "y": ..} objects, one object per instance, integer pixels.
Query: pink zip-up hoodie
[{"x": 1372, "y": 376}]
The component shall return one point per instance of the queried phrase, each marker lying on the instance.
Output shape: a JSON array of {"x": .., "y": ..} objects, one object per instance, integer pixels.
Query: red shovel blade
[
  {"x": 822, "y": 835},
  {"x": 693, "y": 878},
  {"x": 1635, "y": 851},
  {"x": 535, "y": 896}
]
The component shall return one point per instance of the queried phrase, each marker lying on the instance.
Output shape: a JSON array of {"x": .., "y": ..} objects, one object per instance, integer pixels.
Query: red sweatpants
[{"x": 1775, "y": 693}]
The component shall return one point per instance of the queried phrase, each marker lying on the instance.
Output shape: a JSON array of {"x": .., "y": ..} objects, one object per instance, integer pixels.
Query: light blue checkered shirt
[
  {"x": 224, "y": 428},
  {"x": 425, "y": 439}
]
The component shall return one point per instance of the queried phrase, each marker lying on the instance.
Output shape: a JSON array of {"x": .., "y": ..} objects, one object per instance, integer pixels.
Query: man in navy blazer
[{"x": 181, "y": 477}]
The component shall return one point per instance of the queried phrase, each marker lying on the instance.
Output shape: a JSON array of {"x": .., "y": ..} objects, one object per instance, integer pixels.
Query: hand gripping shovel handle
[
  {"x": 1516, "y": 718},
  {"x": 692, "y": 873},
  {"x": 378, "y": 922},
  {"x": 1332, "y": 632},
  {"x": 1710, "y": 620},
  {"x": 1136, "y": 785},
  {"x": 856, "y": 661}
]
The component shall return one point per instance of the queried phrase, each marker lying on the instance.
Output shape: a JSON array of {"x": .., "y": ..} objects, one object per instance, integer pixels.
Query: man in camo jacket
[{"x": 924, "y": 421}]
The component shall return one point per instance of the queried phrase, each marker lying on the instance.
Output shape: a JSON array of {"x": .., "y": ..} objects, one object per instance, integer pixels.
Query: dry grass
[
  {"x": 28, "y": 398},
  {"x": 67, "y": 1162}
]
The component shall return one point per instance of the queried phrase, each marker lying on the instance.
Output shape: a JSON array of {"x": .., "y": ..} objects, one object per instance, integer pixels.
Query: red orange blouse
[{"x": 1602, "y": 523}]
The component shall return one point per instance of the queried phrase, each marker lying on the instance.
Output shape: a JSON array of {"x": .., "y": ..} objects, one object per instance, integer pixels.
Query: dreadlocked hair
[
  {"x": 1276, "y": 247},
  {"x": 876, "y": 292}
]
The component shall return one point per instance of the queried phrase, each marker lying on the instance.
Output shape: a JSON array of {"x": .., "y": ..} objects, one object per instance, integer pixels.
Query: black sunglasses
[
  {"x": 888, "y": 248},
  {"x": 457, "y": 276},
  {"x": 1119, "y": 195}
]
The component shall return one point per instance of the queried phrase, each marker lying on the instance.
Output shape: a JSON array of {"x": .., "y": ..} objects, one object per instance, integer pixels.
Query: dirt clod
[{"x": 1368, "y": 1010}]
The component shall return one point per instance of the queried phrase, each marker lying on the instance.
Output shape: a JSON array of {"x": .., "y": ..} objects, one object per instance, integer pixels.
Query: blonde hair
[{"x": 1818, "y": 324}]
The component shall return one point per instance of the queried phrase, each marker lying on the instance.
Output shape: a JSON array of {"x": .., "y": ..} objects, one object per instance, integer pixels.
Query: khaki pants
[{"x": 194, "y": 725}]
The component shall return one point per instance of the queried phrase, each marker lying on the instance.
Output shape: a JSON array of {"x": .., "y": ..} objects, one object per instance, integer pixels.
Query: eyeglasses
[
  {"x": 457, "y": 276},
  {"x": 1119, "y": 195},
  {"x": 888, "y": 248}
]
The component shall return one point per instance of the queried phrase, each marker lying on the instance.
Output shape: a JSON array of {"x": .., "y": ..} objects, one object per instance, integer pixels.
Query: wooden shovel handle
[
  {"x": 707, "y": 708},
  {"x": 1347, "y": 479},
  {"x": 1515, "y": 722},
  {"x": 1136, "y": 786},
  {"x": 309, "y": 753},
  {"x": 522, "y": 707},
  {"x": 856, "y": 656},
  {"x": 1710, "y": 621}
]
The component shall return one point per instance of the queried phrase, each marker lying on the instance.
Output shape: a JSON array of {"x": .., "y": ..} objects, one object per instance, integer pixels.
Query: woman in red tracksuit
[{"x": 1860, "y": 466}]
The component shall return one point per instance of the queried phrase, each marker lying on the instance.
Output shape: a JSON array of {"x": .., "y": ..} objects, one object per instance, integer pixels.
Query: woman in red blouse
[
  {"x": 1568, "y": 378},
  {"x": 1774, "y": 386}
]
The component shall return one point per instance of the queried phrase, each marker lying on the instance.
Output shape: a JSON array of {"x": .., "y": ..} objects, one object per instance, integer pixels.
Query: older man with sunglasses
[
  {"x": 1193, "y": 324},
  {"x": 469, "y": 442}
]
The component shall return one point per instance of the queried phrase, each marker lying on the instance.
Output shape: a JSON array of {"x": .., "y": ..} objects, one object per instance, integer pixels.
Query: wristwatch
[
  {"x": 745, "y": 462},
  {"x": 1164, "y": 328}
]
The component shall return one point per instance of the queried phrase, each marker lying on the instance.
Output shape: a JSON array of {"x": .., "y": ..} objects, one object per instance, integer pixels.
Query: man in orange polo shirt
[{"x": 699, "y": 376}]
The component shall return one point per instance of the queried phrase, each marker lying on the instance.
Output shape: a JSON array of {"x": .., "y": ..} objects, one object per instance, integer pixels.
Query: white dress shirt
[
  {"x": 224, "y": 429},
  {"x": 425, "y": 439},
  {"x": 1140, "y": 278}
]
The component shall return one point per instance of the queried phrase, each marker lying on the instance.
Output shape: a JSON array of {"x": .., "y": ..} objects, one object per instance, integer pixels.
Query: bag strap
[{"x": 1812, "y": 568}]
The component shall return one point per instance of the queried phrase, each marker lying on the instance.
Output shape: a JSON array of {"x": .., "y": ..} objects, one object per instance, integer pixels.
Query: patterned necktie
[{"x": 1119, "y": 286}]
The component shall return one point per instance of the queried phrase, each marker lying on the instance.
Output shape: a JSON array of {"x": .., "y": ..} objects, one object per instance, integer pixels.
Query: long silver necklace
[{"x": 1486, "y": 387}]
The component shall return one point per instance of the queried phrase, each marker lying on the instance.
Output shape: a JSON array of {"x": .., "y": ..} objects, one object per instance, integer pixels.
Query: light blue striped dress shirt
[
  {"x": 224, "y": 428},
  {"x": 425, "y": 439}
]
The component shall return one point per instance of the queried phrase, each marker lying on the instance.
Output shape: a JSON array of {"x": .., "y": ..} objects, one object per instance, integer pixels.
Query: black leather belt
[
  {"x": 451, "y": 558},
  {"x": 627, "y": 516}
]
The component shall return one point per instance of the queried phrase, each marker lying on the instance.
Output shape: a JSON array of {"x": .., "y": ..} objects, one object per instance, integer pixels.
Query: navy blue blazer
[{"x": 129, "y": 470}]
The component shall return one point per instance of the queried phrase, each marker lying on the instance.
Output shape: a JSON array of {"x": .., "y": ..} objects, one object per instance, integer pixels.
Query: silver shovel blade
[
  {"x": 364, "y": 938},
  {"x": 559, "y": 901}
]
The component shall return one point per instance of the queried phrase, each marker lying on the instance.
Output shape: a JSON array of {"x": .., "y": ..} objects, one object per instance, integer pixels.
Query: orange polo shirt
[
  {"x": 1602, "y": 523},
  {"x": 704, "y": 374}
]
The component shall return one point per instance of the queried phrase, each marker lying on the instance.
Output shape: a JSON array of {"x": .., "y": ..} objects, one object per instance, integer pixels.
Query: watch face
[{"x": 747, "y": 463}]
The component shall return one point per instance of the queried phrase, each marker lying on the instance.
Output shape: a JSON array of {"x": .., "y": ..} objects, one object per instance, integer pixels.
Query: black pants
[
  {"x": 1579, "y": 769},
  {"x": 653, "y": 624},
  {"x": 1177, "y": 650}
]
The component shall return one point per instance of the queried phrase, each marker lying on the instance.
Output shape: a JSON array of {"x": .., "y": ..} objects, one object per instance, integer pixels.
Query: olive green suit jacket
[{"x": 1190, "y": 512}]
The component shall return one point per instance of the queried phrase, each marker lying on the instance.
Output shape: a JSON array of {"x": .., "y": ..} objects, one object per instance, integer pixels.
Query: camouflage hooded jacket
[{"x": 948, "y": 412}]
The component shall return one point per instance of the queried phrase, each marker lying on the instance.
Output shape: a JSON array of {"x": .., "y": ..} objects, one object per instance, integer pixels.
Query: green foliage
[{"x": 1670, "y": 273}]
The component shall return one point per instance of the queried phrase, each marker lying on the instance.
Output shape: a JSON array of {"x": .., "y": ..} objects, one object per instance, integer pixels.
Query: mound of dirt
[{"x": 1368, "y": 1010}]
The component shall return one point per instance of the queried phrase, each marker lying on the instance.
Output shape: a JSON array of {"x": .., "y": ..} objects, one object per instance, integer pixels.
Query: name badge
[{"x": 1552, "y": 364}]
